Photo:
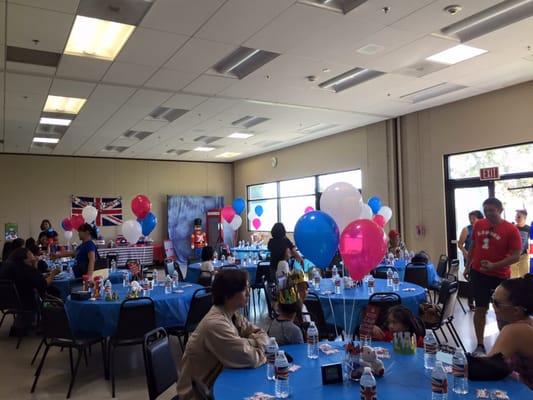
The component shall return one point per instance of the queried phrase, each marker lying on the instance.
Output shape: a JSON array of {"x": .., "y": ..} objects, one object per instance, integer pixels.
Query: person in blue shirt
[{"x": 86, "y": 253}]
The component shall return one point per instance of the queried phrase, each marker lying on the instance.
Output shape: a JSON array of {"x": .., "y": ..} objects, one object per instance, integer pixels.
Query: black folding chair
[
  {"x": 201, "y": 303},
  {"x": 417, "y": 274},
  {"x": 445, "y": 307},
  {"x": 159, "y": 363},
  {"x": 381, "y": 271},
  {"x": 172, "y": 266},
  {"x": 10, "y": 304},
  {"x": 261, "y": 275},
  {"x": 57, "y": 333},
  {"x": 201, "y": 391},
  {"x": 270, "y": 290},
  {"x": 442, "y": 266},
  {"x": 384, "y": 301},
  {"x": 136, "y": 318},
  {"x": 453, "y": 274},
  {"x": 325, "y": 329}
]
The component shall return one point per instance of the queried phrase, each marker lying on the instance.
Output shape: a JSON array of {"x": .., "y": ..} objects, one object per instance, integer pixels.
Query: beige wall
[
  {"x": 494, "y": 119},
  {"x": 37, "y": 187},
  {"x": 364, "y": 148}
]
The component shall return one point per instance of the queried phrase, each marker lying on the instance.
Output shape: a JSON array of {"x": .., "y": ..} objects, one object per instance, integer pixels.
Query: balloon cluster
[
  {"x": 141, "y": 207},
  {"x": 347, "y": 224},
  {"x": 88, "y": 215},
  {"x": 231, "y": 218}
]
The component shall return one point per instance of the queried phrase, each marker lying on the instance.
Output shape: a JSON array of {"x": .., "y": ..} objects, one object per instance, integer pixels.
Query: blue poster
[{"x": 182, "y": 211}]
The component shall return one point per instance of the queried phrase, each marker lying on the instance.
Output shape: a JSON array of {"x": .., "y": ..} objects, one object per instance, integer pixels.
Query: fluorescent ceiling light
[
  {"x": 205, "y": 149},
  {"x": 55, "y": 121},
  {"x": 350, "y": 78},
  {"x": 97, "y": 38},
  {"x": 239, "y": 135},
  {"x": 341, "y": 6},
  {"x": 243, "y": 61},
  {"x": 60, "y": 104},
  {"x": 228, "y": 154},
  {"x": 456, "y": 54},
  {"x": 45, "y": 140},
  {"x": 431, "y": 92}
]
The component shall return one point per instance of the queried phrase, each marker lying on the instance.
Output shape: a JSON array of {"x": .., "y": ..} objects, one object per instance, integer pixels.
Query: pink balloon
[
  {"x": 362, "y": 246},
  {"x": 228, "y": 213},
  {"x": 309, "y": 209},
  {"x": 379, "y": 220},
  {"x": 256, "y": 223}
]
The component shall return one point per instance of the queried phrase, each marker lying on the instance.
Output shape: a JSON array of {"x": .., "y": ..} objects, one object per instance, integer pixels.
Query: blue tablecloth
[
  {"x": 193, "y": 270},
  {"x": 405, "y": 378},
  {"x": 102, "y": 316},
  {"x": 400, "y": 265},
  {"x": 65, "y": 285},
  {"x": 352, "y": 301},
  {"x": 245, "y": 252}
]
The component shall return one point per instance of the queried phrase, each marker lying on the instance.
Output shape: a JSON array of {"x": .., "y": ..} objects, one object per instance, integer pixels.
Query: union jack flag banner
[{"x": 109, "y": 209}]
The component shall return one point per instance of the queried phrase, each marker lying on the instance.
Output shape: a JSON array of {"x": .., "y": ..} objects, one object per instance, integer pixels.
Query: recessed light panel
[
  {"x": 60, "y": 104},
  {"x": 350, "y": 78},
  {"x": 204, "y": 149},
  {"x": 228, "y": 154},
  {"x": 239, "y": 135},
  {"x": 55, "y": 121},
  {"x": 456, "y": 54},
  {"x": 97, "y": 38},
  {"x": 45, "y": 140},
  {"x": 244, "y": 61}
]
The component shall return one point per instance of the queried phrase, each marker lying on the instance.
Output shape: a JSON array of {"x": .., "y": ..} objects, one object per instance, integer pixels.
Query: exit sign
[{"x": 489, "y": 174}]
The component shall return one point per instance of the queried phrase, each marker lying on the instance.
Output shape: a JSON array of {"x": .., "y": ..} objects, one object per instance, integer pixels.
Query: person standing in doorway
[
  {"x": 465, "y": 243},
  {"x": 519, "y": 269},
  {"x": 496, "y": 244}
]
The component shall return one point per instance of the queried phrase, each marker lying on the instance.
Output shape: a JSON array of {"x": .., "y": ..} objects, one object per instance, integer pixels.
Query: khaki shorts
[{"x": 521, "y": 268}]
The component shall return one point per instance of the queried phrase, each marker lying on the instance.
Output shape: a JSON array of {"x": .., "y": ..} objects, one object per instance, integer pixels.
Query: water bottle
[
  {"x": 270, "y": 352},
  {"x": 395, "y": 282},
  {"x": 368, "y": 385},
  {"x": 430, "y": 349},
  {"x": 389, "y": 277},
  {"x": 168, "y": 285},
  {"x": 460, "y": 372},
  {"x": 312, "y": 341},
  {"x": 439, "y": 383},
  {"x": 371, "y": 284},
  {"x": 125, "y": 279},
  {"x": 70, "y": 272},
  {"x": 281, "y": 388},
  {"x": 338, "y": 283},
  {"x": 113, "y": 266},
  {"x": 316, "y": 280},
  {"x": 334, "y": 272},
  {"x": 175, "y": 279}
]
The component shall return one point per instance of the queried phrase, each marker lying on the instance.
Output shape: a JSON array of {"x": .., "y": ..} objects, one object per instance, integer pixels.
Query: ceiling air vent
[
  {"x": 114, "y": 149},
  {"x": 267, "y": 143},
  {"x": 244, "y": 61},
  {"x": 421, "y": 68},
  {"x": 139, "y": 135},
  {"x": 431, "y": 92},
  {"x": 249, "y": 121},
  {"x": 54, "y": 130},
  {"x": 129, "y": 12},
  {"x": 166, "y": 114},
  {"x": 341, "y": 6},
  {"x": 349, "y": 79},
  {"x": 207, "y": 139},
  {"x": 30, "y": 56},
  {"x": 316, "y": 128},
  {"x": 176, "y": 152},
  {"x": 40, "y": 145}
]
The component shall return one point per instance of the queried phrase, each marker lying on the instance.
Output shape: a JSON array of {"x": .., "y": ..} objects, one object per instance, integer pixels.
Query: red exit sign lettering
[{"x": 489, "y": 174}]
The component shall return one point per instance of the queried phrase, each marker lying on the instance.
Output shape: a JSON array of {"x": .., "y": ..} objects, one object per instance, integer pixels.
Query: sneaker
[{"x": 479, "y": 351}]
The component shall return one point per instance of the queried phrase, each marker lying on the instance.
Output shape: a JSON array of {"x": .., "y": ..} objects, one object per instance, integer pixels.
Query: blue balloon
[
  {"x": 375, "y": 204},
  {"x": 148, "y": 223},
  {"x": 258, "y": 210},
  {"x": 317, "y": 237},
  {"x": 238, "y": 205}
]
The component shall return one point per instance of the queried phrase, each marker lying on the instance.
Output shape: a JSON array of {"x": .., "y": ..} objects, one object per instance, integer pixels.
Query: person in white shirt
[
  {"x": 207, "y": 270},
  {"x": 283, "y": 265}
]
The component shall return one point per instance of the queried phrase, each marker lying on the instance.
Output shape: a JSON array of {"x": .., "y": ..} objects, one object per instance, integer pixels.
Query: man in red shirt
[{"x": 496, "y": 244}]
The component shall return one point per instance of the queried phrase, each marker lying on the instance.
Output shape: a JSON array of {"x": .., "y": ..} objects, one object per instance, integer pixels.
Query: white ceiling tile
[
  {"x": 237, "y": 20},
  {"x": 184, "y": 101},
  {"x": 169, "y": 79},
  {"x": 30, "y": 68},
  {"x": 31, "y": 101},
  {"x": 151, "y": 98},
  {"x": 150, "y": 47},
  {"x": 209, "y": 84},
  {"x": 180, "y": 16},
  {"x": 26, "y": 24},
  {"x": 84, "y": 68},
  {"x": 70, "y": 88},
  {"x": 18, "y": 83},
  {"x": 498, "y": 76},
  {"x": 149, "y": 126},
  {"x": 128, "y": 74},
  {"x": 198, "y": 55},
  {"x": 64, "y": 6},
  {"x": 373, "y": 10}
]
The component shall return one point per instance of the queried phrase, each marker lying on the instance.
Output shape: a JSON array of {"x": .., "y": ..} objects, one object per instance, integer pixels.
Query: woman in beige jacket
[{"x": 223, "y": 338}]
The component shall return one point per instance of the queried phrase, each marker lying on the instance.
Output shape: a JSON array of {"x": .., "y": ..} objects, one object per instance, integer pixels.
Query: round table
[
  {"x": 193, "y": 270},
  {"x": 405, "y": 378},
  {"x": 341, "y": 309},
  {"x": 65, "y": 284},
  {"x": 245, "y": 252},
  {"x": 400, "y": 266},
  {"x": 101, "y": 316}
]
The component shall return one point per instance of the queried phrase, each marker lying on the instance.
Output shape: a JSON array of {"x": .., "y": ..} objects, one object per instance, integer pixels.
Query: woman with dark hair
[
  {"x": 86, "y": 253},
  {"x": 513, "y": 350},
  {"x": 6, "y": 250},
  {"x": 17, "y": 244},
  {"x": 41, "y": 265},
  {"x": 278, "y": 245},
  {"x": 45, "y": 225},
  {"x": 223, "y": 338}
]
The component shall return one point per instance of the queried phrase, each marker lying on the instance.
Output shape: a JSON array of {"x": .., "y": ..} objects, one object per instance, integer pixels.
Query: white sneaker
[{"x": 479, "y": 351}]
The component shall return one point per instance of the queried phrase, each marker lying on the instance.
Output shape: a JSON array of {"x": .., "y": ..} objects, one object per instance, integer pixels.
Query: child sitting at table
[
  {"x": 283, "y": 327},
  {"x": 400, "y": 319},
  {"x": 283, "y": 265},
  {"x": 207, "y": 270}
]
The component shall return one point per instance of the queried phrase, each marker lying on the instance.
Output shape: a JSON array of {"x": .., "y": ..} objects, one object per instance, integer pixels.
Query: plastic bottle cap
[{"x": 367, "y": 369}]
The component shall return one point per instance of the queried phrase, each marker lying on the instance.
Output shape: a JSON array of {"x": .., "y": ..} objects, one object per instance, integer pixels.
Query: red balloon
[
  {"x": 66, "y": 224},
  {"x": 141, "y": 206},
  {"x": 379, "y": 220},
  {"x": 228, "y": 213},
  {"x": 363, "y": 245},
  {"x": 76, "y": 221}
]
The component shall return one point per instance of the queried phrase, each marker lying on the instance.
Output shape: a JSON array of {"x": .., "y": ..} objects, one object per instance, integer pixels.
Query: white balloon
[
  {"x": 366, "y": 212},
  {"x": 226, "y": 227},
  {"x": 386, "y": 212},
  {"x": 236, "y": 222},
  {"x": 68, "y": 235},
  {"x": 252, "y": 215},
  {"x": 131, "y": 230},
  {"x": 89, "y": 214},
  {"x": 342, "y": 202}
]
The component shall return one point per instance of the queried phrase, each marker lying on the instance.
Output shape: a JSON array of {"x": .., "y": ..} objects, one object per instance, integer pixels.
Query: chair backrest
[
  {"x": 9, "y": 296},
  {"x": 54, "y": 320},
  {"x": 381, "y": 271},
  {"x": 449, "y": 290},
  {"x": 201, "y": 303},
  {"x": 172, "y": 266},
  {"x": 416, "y": 274},
  {"x": 454, "y": 268},
  {"x": 442, "y": 266},
  {"x": 384, "y": 301},
  {"x": 262, "y": 274},
  {"x": 205, "y": 280},
  {"x": 270, "y": 289},
  {"x": 136, "y": 318},
  {"x": 201, "y": 391},
  {"x": 159, "y": 363},
  {"x": 228, "y": 266},
  {"x": 312, "y": 302}
]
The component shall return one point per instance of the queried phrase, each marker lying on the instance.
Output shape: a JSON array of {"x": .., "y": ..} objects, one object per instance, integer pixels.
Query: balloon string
[
  {"x": 351, "y": 316},
  {"x": 333, "y": 314}
]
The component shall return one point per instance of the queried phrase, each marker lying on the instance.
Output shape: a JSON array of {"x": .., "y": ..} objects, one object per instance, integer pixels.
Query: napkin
[
  {"x": 327, "y": 349},
  {"x": 260, "y": 396}
]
